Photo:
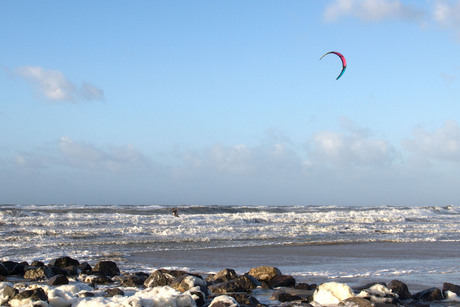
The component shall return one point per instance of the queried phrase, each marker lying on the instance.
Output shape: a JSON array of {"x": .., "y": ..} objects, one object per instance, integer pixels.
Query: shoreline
[
  {"x": 354, "y": 264},
  {"x": 66, "y": 281}
]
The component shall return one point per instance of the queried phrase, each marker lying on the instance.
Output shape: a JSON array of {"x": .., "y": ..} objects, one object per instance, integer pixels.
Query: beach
[
  {"x": 354, "y": 246},
  {"x": 420, "y": 265}
]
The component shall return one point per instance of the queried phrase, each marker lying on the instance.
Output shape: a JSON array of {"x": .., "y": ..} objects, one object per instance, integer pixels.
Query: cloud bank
[
  {"x": 440, "y": 13},
  {"x": 372, "y": 10},
  {"x": 53, "y": 85}
]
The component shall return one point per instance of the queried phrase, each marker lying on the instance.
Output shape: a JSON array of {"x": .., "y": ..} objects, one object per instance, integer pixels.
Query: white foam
[
  {"x": 225, "y": 300},
  {"x": 332, "y": 293}
]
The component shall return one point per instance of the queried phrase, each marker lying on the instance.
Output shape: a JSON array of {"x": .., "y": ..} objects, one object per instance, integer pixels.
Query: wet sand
[{"x": 420, "y": 265}]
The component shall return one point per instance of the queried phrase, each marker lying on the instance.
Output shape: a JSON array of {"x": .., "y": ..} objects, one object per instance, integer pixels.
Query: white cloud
[
  {"x": 84, "y": 156},
  {"x": 273, "y": 156},
  {"x": 353, "y": 148},
  {"x": 53, "y": 85},
  {"x": 447, "y": 14},
  {"x": 372, "y": 10},
  {"x": 442, "y": 144},
  {"x": 113, "y": 159}
]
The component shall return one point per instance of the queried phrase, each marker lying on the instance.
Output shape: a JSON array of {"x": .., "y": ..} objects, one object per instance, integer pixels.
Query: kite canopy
[{"x": 344, "y": 62}]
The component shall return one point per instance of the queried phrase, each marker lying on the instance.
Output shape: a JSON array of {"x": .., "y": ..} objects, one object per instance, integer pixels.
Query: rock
[
  {"x": 58, "y": 280},
  {"x": 429, "y": 295},
  {"x": 451, "y": 287},
  {"x": 189, "y": 282},
  {"x": 199, "y": 297},
  {"x": 85, "y": 267},
  {"x": 400, "y": 289},
  {"x": 287, "y": 297},
  {"x": 306, "y": 295},
  {"x": 108, "y": 268},
  {"x": 71, "y": 270},
  {"x": 245, "y": 299},
  {"x": 264, "y": 273},
  {"x": 113, "y": 292},
  {"x": 97, "y": 279},
  {"x": 39, "y": 273},
  {"x": 224, "y": 301},
  {"x": 37, "y": 263},
  {"x": 243, "y": 283},
  {"x": 37, "y": 294},
  {"x": 3, "y": 278},
  {"x": 14, "y": 268},
  {"x": 176, "y": 273},
  {"x": 8, "y": 293},
  {"x": 367, "y": 286},
  {"x": 133, "y": 281},
  {"x": 63, "y": 262},
  {"x": 157, "y": 279},
  {"x": 414, "y": 303},
  {"x": 304, "y": 286},
  {"x": 356, "y": 302},
  {"x": 3, "y": 270},
  {"x": 224, "y": 275},
  {"x": 282, "y": 281}
]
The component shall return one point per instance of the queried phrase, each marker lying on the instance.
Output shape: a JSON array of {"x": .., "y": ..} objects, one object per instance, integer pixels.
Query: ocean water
[{"x": 307, "y": 241}]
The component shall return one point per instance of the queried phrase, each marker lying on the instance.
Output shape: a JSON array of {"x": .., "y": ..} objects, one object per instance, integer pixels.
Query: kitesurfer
[{"x": 174, "y": 211}]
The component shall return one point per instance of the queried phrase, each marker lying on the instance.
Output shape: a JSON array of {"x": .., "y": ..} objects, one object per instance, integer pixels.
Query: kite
[{"x": 344, "y": 62}]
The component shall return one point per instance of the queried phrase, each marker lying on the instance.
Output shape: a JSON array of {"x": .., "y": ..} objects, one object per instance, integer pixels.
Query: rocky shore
[{"x": 67, "y": 282}]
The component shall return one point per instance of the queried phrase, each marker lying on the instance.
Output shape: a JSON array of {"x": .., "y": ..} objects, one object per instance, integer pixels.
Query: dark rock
[
  {"x": 85, "y": 267},
  {"x": 113, "y": 292},
  {"x": 9, "y": 292},
  {"x": 451, "y": 287},
  {"x": 63, "y": 262},
  {"x": 186, "y": 282},
  {"x": 414, "y": 303},
  {"x": 201, "y": 298},
  {"x": 37, "y": 263},
  {"x": 3, "y": 270},
  {"x": 86, "y": 294},
  {"x": 286, "y": 294},
  {"x": 37, "y": 294},
  {"x": 367, "y": 286},
  {"x": 71, "y": 270},
  {"x": 133, "y": 281},
  {"x": 429, "y": 295},
  {"x": 157, "y": 279},
  {"x": 58, "y": 280},
  {"x": 56, "y": 270},
  {"x": 108, "y": 268},
  {"x": 282, "y": 281},
  {"x": 356, "y": 301},
  {"x": 245, "y": 299},
  {"x": 224, "y": 275},
  {"x": 175, "y": 273},
  {"x": 264, "y": 273},
  {"x": 287, "y": 297},
  {"x": 303, "y": 286},
  {"x": 400, "y": 289},
  {"x": 98, "y": 280},
  {"x": 14, "y": 268},
  {"x": 243, "y": 283},
  {"x": 39, "y": 273}
]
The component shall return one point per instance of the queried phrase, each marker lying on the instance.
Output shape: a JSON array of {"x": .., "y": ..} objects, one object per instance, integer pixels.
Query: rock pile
[{"x": 67, "y": 282}]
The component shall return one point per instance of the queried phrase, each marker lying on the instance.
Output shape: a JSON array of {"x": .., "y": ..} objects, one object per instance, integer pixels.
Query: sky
[{"x": 227, "y": 103}]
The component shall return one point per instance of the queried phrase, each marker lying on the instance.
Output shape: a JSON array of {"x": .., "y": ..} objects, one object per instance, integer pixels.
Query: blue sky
[{"x": 226, "y": 102}]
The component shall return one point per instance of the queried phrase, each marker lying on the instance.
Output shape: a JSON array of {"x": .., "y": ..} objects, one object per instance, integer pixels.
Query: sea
[{"x": 355, "y": 244}]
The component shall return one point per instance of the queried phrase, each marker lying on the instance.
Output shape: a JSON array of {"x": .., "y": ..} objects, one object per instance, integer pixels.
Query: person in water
[{"x": 174, "y": 211}]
